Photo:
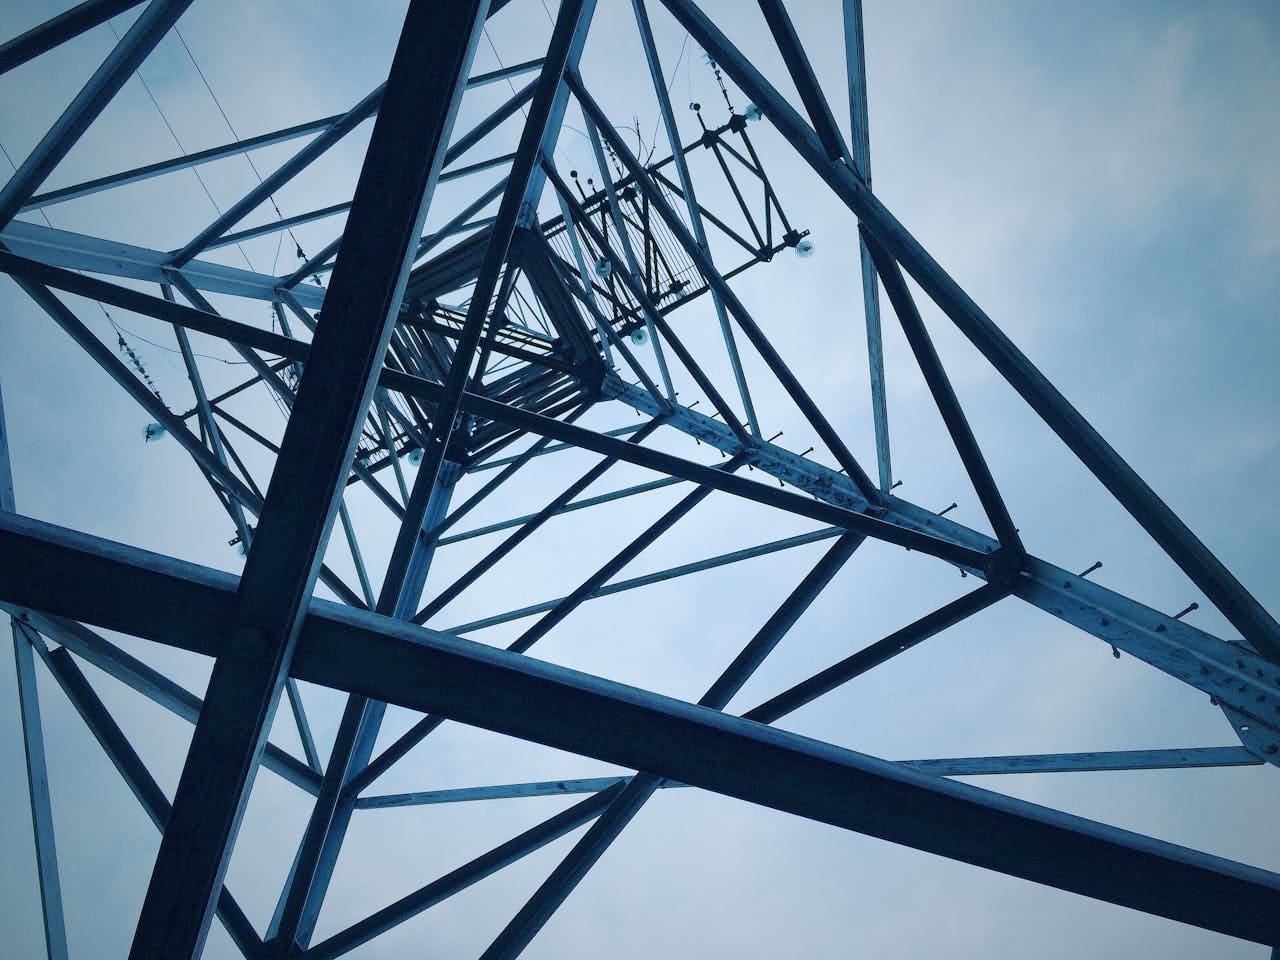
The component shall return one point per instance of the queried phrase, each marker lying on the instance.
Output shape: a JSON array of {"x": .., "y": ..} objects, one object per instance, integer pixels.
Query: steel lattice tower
[{"x": 508, "y": 352}]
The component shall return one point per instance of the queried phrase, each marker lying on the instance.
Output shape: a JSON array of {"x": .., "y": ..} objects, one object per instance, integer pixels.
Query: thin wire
[
  {"x": 244, "y": 153},
  {"x": 684, "y": 47},
  {"x": 161, "y": 346},
  {"x": 503, "y": 66},
  {"x": 173, "y": 133},
  {"x": 110, "y": 320}
]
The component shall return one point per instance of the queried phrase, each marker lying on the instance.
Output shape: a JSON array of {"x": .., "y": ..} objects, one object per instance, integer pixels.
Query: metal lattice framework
[{"x": 426, "y": 373}]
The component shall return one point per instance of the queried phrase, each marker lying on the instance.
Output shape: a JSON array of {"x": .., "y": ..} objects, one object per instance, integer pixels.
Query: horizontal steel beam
[
  {"x": 517, "y": 696},
  {"x": 1168, "y": 759},
  {"x": 79, "y": 252},
  {"x": 657, "y": 576},
  {"x": 1234, "y": 675}
]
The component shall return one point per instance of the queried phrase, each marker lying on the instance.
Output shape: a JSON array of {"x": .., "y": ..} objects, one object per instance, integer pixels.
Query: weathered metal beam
[
  {"x": 138, "y": 778},
  {"x": 55, "y": 928},
  {"x": 517, "y": 696},
  {"x": 455, "y": 881},
  {"x": 405, "y": 154},
  {"x": 860, "y": 146},
  {"x": 1166, "y": 759}
]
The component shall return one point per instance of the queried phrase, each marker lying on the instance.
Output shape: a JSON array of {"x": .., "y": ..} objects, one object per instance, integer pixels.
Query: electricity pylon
[{"x": 486, "y": 309}]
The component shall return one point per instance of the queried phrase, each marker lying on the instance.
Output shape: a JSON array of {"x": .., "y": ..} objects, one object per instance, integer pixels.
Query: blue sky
[{"x": 1100, "y": 177}]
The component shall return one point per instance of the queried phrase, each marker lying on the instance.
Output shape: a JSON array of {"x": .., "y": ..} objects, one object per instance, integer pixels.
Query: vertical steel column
[
  {"x": 856, "y": 69},
  {"x": 55, "y": 933},
  {"x": 304, "y": 892},
  {"x": 398, "y": 177}
]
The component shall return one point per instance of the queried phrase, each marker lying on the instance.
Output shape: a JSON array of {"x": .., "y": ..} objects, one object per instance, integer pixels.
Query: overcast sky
[{"x": 1100, "y": 178}]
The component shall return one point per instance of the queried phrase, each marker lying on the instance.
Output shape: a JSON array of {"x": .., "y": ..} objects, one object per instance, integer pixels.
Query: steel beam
[
  {"x": 1095, "y": 762},
  {"x": 644, "y": 580},
  {"x": 517, "y": 696},
  {"x": 678, "y": 466},
  {"x": 944, "y": 396},
  {"x": 155, "y": 686},
  {"x": 510, "y": 209},
  {"x": 317, "y": 857},
  {"x": 282, "y": 175},
  {"x": 139, "y": 780},
  {"x": 802, "y": 75},
  {"x": 556, "y": 506},
  {"x": 282, "y": 135},
  {"x": 55, "y": 928},
  {"x": 691, "y": 201},
  {"x": 877, "y": 653},
  {"x": 146, "y": 172},
  {"x": 860, "y": 143},
  {"x": 455, "y": 881},
  {"x": 400, "y": 170},
  {"x": 78, "y": 252}
]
